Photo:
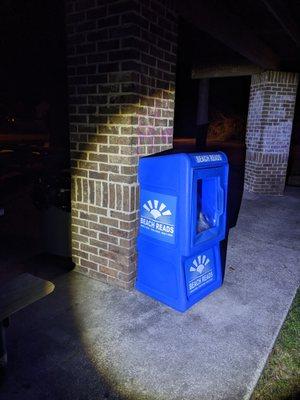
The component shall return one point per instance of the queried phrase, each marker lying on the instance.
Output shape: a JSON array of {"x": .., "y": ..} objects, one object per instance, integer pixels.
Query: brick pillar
[
  {"x": 269, "y": 128},
  {"x": 121, "y": 69}
]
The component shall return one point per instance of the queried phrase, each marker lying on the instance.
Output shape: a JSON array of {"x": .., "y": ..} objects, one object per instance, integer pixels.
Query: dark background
[{"x": 33, "y": 62}]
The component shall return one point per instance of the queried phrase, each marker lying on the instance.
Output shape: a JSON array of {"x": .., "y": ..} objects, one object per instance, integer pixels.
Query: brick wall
[
  {"x": 269, "y": 127},
  {"x": 121, "y": 70}
]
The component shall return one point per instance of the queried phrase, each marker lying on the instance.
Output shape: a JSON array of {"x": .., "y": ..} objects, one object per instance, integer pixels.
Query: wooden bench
[{"x": 15, "y": 295}]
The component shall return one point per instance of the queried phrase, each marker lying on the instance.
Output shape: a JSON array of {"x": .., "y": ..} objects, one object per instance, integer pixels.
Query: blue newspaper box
[{"x": 182, "y": 221}]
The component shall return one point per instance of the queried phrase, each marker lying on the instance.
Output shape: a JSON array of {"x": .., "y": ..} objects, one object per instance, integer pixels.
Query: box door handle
[{"x": 221, "y": 200}]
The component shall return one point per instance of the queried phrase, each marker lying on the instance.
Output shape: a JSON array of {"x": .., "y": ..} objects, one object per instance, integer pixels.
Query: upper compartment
[{"x": 183, "y": 199}]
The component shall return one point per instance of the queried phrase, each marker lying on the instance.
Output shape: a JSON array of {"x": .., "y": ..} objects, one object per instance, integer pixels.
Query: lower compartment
[{"x": 179, "y": 281}]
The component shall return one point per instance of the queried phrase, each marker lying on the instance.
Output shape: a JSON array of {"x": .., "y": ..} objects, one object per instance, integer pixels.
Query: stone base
[
  {"x": 105, "y": 278},
  {"x": 265, "y": 173}
]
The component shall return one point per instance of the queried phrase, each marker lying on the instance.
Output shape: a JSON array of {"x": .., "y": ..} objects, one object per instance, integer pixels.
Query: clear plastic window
[{"x": 207, "y": 203}]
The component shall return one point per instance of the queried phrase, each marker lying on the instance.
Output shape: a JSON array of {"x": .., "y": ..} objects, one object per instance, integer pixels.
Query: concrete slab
[{"x": 92, "y": 341}]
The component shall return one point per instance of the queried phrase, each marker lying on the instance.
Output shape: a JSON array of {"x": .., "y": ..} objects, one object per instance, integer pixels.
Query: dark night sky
[
  {"x": 32, "y": 49},
  {"x": 33, "y": 63}
]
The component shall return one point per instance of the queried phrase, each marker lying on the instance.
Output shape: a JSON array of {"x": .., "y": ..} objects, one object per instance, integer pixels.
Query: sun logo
[
  {"x": 199, "y": 264},
  {"x": 156, "y": 209}
]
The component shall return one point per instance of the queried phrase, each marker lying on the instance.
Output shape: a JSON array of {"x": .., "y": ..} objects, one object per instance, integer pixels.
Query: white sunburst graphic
[
  {"x": 199, "y": 264},
  {"x": 156, "y": 209}
]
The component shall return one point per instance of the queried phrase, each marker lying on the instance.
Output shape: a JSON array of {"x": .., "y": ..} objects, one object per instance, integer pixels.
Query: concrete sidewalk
[{"x": 91, "y": 341}]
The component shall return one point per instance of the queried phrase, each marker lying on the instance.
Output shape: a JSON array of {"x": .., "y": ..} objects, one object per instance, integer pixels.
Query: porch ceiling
[{"x": 264, "y": 32}]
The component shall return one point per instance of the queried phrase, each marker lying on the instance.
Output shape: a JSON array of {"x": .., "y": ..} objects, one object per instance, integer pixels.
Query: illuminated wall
[
  {"x": 269, "y": 128},
  {"x": 121, "y": 70}
]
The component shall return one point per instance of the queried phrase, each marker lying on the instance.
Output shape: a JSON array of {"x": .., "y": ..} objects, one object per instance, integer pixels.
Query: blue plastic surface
[{"x": 183, "y": 200}]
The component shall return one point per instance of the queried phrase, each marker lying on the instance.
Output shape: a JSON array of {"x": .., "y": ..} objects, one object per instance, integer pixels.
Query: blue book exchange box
[{"x": 182, "y": 221}]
